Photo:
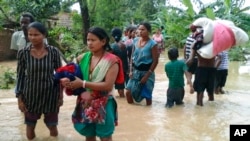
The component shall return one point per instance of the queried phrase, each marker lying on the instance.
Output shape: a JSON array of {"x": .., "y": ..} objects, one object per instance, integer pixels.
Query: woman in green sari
[{"x": 95, "y": 113}]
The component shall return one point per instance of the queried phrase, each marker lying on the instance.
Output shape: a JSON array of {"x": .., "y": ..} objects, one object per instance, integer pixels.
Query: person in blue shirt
[{"x": 143, "y": 63}]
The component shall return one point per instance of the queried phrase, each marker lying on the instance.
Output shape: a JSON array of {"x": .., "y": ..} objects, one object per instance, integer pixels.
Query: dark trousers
[
  {"x": 221, "y": 78},
  {"x": 175, "y": 95}
]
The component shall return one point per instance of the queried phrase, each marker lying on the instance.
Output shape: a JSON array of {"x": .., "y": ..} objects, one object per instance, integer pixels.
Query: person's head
[
  {"x": 25, "y": 20},
  {"x": 158, "y": 31},
  {"x": 144, "y": 29},
  {"x": 194, "y": 28},
  {"x": 116, "y": 34},
  {"x": 98, "y": 39},
  {"x": 126, "y": 31},
  {"x": 132, "y": 32},
  {"x": 137, "y": 32},
  {"x": 173, "y": 53},
  {"x": 36, "y": 32}
]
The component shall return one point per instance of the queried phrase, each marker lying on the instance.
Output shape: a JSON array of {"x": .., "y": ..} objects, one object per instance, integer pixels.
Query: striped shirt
[
  {"x": 188, "y": 44},
  {"x": 35, "y": 80},
  {"x": 224, "y": 61}
]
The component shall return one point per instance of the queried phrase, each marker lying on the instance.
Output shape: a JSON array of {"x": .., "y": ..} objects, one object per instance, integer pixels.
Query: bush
[
  {"x": 236, "y": 54},
  {"x": 68, "y": 42},
  {"x": 7, "y": 79}
]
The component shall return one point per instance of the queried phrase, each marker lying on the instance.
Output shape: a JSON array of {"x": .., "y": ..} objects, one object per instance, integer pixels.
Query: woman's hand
[
  {"x": 77, "y": 83},
  {"x": 21, "y": 105},
  {"x": 65, "y": 82},
  {"x": 144, "y": 79},
  {"x": 130, "y": 74}
]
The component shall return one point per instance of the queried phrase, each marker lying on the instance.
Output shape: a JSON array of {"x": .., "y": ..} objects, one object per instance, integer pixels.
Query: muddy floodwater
[{"x": 147, "y": 123}]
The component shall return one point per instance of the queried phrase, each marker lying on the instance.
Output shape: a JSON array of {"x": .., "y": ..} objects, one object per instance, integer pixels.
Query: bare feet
[
  {"x": 30, "y": 132},
  {"x": 121, "y": 92},
  {"x": 200, "y": 99},
  {"x": 148, "y": 102},
  {"x": 222, "y": 91},
  {"x": 129, "y": 97},
  {"x": 216, "y": 91},
  {"x": 219, "y": 90},
  {"x": 210, "y": 97},
  {"x": 53, "y": 131}
]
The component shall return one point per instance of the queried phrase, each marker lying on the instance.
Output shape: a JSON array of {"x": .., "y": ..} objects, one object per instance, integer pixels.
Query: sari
[
  {"x": 141, "y": 62},
  {"x": 94, "y": 111},
  {"x": 138, "y": 90}
]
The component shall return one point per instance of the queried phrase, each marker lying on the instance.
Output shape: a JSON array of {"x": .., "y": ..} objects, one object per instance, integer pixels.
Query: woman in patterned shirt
[{"x": 36, "y": 92}]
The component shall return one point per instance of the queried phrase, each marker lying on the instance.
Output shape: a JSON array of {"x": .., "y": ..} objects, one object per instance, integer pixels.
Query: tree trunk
[{"x": 85, "y": 17}]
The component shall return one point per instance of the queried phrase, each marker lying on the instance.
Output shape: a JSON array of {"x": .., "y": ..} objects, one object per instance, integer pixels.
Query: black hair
[
  {"x": 116, "y": 33},
  {"x": 132, "y": 28},
  {"x": 127, "y": 28},
  {"x": 29, "y": 15},
  {"x": 173, "y": 53},
  {"x": 147, "y": 25},
  {"x": 101, "y": 34},
  {"x": 39, "y": 26}
]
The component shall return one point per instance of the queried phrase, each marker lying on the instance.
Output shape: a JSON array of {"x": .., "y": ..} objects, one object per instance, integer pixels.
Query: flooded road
[{"x": 154, "y": 123}]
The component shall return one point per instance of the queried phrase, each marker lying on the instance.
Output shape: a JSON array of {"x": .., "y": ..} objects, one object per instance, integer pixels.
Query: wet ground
[{"x": 148, "y": 123}]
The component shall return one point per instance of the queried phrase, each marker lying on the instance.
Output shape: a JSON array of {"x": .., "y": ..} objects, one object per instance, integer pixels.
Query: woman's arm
[
  {"x": 106, "y": 85},
  {"x": 155, "y": 57},
  {"x": 57, "y": 59},
  {"x": 79, "y": 58},
  {"x": 20, "y": 73},
  {"x": 20, "y": 80}
]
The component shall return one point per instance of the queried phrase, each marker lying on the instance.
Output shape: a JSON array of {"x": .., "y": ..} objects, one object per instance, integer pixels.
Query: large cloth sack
[
  {"x": 224, "y": 36},
  {"x": 240, "y": 35},
  {"x": 208, "y": 28},
  {"x": 223, "y": 39}
]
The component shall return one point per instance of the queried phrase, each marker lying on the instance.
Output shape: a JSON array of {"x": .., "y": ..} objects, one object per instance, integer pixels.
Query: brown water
[{"x": 154, "y": 123}]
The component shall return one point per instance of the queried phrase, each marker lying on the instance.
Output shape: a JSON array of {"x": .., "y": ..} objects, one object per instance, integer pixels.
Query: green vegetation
[
  {"x": 7, "y": 78},
  {"x": 122, "y": 13},
  {"x": 177, "y": 20}
]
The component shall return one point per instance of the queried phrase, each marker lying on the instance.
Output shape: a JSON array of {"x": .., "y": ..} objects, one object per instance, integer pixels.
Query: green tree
[
  {"x": 231, "y": 10},
  {"x": 85, "y": 18},
  {"x": 41, "y": 9},
  {"x": 119, "y": 13},
  {"x": 177, "y": 20}
]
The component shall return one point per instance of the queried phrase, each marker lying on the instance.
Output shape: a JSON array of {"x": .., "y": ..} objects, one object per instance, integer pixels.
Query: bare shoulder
[
  {"x": 79, "y": 58},
  {"x": 122, "y": 45}
]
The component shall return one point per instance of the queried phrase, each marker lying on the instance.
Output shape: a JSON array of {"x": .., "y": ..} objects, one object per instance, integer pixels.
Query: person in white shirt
[
  {"x": 20, "y": 39},
  {"x": 187, "y": 52},
  {"x": 222, "y": 63}
]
